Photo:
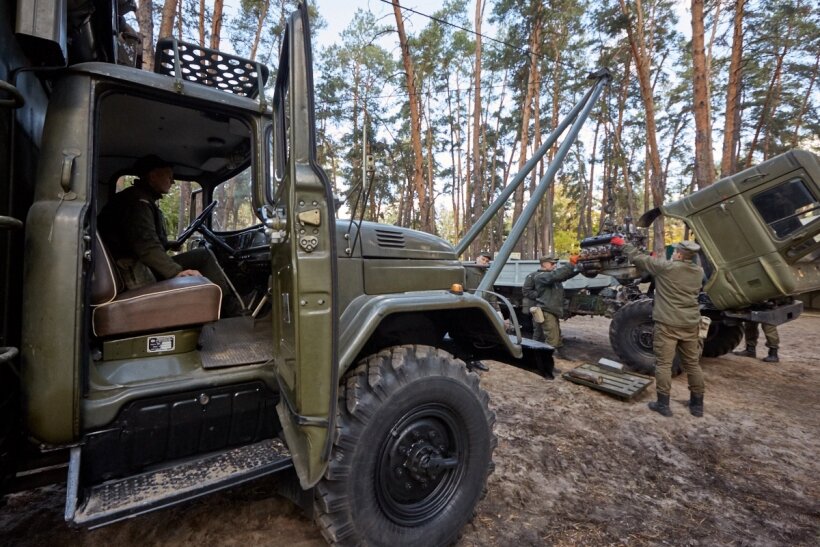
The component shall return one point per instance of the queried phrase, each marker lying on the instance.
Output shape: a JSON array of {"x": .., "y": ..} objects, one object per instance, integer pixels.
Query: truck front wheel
[
  {"x": 412, "y": 451},
  {"x": 721, "y": 339}
]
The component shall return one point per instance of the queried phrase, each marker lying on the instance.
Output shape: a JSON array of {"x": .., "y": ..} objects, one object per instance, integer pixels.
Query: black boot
[
  {"x": 748, "y": 352},
  {"x": 661, "y": 406},
  {"x": 696, "y": 404},
  {"x": 772, "y": 357}
]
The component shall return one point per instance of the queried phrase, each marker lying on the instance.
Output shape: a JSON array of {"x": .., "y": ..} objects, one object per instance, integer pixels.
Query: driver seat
[{"x": 168, "y": 304}]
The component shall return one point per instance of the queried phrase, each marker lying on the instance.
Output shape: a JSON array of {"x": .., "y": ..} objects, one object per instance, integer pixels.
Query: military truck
[
  {"x": 760, "y": 239},
  {"x": 350, "y": 364}
]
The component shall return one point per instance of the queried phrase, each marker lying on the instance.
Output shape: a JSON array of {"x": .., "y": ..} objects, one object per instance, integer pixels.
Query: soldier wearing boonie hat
[{"x": 677, "y": 318}]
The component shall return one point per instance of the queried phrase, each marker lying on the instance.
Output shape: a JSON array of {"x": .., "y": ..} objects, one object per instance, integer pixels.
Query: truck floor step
[{"x": 124, "y": 498}]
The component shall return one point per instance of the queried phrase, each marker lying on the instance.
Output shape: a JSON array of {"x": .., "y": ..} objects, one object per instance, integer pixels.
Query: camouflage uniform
[
  {"x": 530, "y": 293},
  {"x": 550, "y": 291},
  {"x": 133, "y": 228},
  {"x": 473, "y": 274},
  {"x": 676, "y": 315},
  {"x": 751, "y": 333}
]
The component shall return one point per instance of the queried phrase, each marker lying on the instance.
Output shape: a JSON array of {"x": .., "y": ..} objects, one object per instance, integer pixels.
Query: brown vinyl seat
[{"x": 168, "y": 304}]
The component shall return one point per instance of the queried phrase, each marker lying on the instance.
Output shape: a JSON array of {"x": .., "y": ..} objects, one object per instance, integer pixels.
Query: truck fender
[{"x": 365, "y": 313}]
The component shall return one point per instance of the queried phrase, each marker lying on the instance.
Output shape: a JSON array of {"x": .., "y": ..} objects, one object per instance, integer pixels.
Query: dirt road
[{"x": 573, "y": 466}]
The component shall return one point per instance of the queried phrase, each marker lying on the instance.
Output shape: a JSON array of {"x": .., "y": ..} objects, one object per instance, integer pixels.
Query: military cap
[
  {"x": 688, "y": 246},
  {"x": 146, "y": 164},
  {"x": 548, "y": 258},
  {"x": 486, "y": 254}
]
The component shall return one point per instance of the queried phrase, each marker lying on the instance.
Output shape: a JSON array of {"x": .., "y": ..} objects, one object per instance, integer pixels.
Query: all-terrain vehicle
[
  {"x": 760, "y": 238},
  {"x": 350, "y": 362}
]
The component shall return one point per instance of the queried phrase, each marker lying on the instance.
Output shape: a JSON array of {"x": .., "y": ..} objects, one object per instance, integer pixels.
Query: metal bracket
[
  {"x": 69, "y": 155},
  {"x": 313, "y": 217},
  {"x": 308, "y": 243}
]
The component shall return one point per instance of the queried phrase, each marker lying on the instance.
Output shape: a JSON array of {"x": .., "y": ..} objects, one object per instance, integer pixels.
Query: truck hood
[{"x": 381, "y": 241}]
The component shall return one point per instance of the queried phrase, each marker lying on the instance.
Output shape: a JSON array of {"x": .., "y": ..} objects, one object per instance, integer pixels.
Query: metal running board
[{"x": 120, "y": 499}]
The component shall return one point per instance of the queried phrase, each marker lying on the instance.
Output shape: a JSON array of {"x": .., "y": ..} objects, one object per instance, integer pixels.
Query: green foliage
[{"x": 360, "y": 89}]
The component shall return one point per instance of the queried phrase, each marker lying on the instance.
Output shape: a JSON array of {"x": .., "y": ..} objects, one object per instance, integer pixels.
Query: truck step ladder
[{"x": 120, "y": 499}]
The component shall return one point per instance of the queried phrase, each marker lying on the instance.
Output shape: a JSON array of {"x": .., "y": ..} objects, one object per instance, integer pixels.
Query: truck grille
[{"x": 390, "y": 238}]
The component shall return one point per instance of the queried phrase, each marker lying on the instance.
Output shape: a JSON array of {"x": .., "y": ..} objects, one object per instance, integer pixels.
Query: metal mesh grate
[{"x": 210, "y": 67}]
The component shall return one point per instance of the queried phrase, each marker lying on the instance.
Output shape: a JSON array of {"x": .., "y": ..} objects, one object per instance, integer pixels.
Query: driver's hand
[
  {"x": 172, "y": 246},
  {"x": 188, "y": 273}
]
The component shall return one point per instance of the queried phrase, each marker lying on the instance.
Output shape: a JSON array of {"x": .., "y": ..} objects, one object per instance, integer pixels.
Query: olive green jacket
[
  {"x": 473, "y": 275},
  {"x": 677, "y": 285},
  {"x": 529, "y": 291},
  {"x": 550, "y": 290},
  {"x": 133, "y": 228}
]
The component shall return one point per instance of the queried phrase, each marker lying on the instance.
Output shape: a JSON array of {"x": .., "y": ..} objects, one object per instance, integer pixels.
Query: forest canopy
[{"x": 451, "y": 105}]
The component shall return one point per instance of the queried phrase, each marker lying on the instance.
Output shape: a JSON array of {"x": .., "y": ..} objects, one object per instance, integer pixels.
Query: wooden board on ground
[{"x": 623, "y": 384}]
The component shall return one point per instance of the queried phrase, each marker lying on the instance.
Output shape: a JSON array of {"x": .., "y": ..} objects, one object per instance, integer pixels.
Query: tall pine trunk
[
  {"x": 526, "y": 106},
  {"x": 260, "y": 25},
  {"x": 216, "y": 23},
  {"x": 145, "y": 20},
  {"x": 642, "y": 54},
  {"x": 476, "y": 205},
  {"x": 731, "y": 128},
  {"x": 166, "y": 26},
  {"x": 804, "y": 105},
  {"x": 426, "y": 220},
  {"x": 704, "y": 160}
]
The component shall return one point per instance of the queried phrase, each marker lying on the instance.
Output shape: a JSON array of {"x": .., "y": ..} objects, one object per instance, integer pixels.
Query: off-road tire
[
  {"x": 721, "y": 339},
  {"x": 630, "y": 335},
  {"x": 397, "y": 410}
]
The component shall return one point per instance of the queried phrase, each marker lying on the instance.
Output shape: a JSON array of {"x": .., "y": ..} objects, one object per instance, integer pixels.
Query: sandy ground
[{"x": 573, "y": 466}]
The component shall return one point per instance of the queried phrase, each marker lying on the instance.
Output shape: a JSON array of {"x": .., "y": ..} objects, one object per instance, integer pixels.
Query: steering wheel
[{"x": 196, "y": 224}]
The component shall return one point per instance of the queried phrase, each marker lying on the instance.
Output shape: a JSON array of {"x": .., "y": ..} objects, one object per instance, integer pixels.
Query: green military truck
[
  {"x": 350, "y": 366},
  {"x": 760, "y": 239}
]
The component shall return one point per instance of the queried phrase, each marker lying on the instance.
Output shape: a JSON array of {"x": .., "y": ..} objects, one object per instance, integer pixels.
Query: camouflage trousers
[
  {"x": 549, "y": 331},
  {"x": 668, "y": 339},
  {"x": 751, "y": 332}
]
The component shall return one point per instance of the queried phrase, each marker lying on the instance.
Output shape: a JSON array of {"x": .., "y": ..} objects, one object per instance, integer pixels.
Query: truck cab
[{"x": 346, "y": 364}]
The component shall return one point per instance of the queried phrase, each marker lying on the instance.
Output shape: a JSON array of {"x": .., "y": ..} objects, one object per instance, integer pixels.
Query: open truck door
[{"x": 300, "y": 219}]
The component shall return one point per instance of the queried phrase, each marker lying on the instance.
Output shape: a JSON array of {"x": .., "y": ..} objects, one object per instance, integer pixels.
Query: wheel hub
[
  {"x": 417, "y": 458},
  {"x": 644, "y": 335},
  {"x": 421, "y": 465}
]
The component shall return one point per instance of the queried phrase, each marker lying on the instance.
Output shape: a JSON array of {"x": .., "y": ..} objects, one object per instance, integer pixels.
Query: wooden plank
[{"x": 625, "y": 385}]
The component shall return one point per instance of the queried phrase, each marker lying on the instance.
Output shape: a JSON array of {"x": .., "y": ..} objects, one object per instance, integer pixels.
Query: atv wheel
[
  {"x": 412, "y": 451},
  {"x": 721, "y": 339},
  {"x": 631, "y": 333}
]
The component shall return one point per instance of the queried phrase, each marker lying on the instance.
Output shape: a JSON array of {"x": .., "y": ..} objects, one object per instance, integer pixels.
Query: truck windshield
[
  {"x": 787, "y": 207},
  {"x": 235, "y": 208}
]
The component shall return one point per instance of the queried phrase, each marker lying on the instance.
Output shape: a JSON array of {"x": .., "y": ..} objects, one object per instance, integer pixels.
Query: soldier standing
[
  {"x": 550, "y": 299},
  {"x": 750, "y": 332},
  {"x": 677, "y": 318},
  {"x": 473, "y": 276},
  {"x": 529, "y": 295}
]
